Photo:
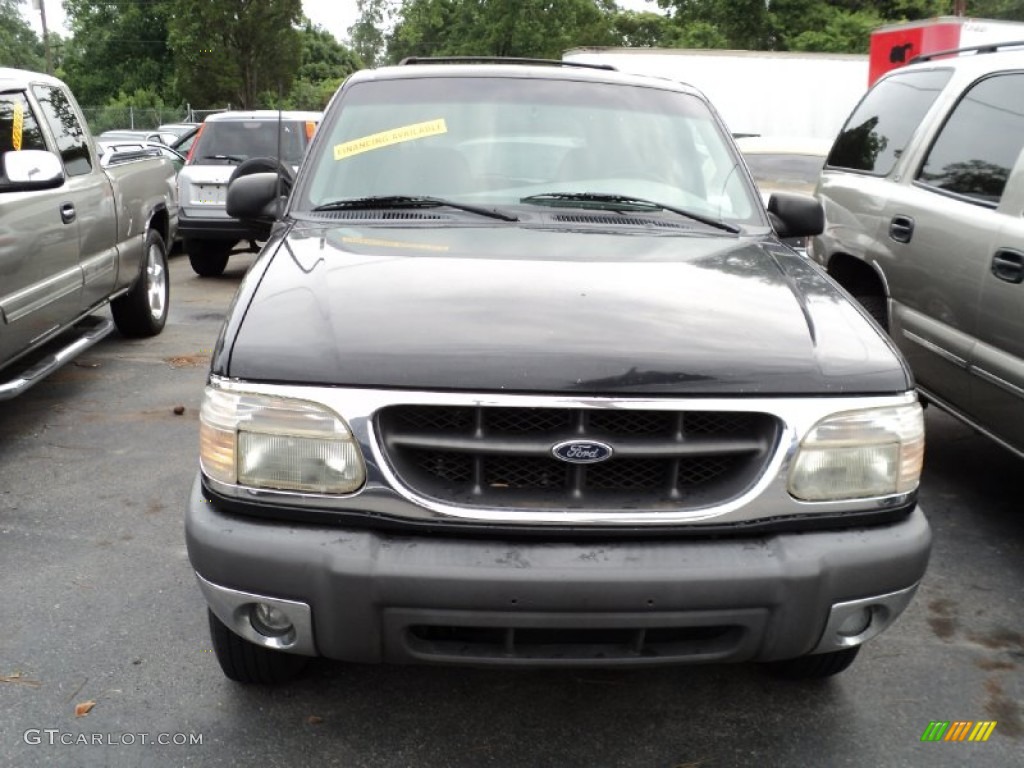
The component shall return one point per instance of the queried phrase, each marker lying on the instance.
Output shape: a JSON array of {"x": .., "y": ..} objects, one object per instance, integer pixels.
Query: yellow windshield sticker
[
  {"x": 18, "y": 127},
  {"x": 388, "y": 138},
  {"x": 394, "y": 244}
]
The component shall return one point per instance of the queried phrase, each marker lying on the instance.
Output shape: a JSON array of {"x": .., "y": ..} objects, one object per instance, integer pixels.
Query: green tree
[
  {"x": 368, "y": 37},
  {"x": 324, "y": 65},
  {"x": 116, "y": 48},
  {"x": 528, "y": 28},
  {"x": 19, "y": 45},
  {"x": 235, "y": 50}
]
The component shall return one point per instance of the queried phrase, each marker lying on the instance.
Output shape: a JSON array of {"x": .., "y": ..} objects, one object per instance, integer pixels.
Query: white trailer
[{"x": 766, "y": 93}]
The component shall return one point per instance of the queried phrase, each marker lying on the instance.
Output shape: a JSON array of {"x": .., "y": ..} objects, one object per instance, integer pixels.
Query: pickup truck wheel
[
  {"x": 208, "y": 257},
  {"x": 246, "y": 662},
  {"x": 143, "y": 310},
  {"x": 816, "y": 667}
]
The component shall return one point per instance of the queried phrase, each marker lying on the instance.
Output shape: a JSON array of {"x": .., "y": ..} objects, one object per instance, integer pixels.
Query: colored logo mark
[{"x": 958, "y": 730}]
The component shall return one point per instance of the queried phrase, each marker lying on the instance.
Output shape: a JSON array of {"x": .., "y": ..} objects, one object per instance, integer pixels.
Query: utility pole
[
  {"x": 41, "y": 6},
  {"x": 959, "y": 7}
]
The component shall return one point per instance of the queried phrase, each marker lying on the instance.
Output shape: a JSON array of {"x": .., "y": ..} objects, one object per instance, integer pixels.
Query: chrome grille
[{"x": 502, "y": 456}]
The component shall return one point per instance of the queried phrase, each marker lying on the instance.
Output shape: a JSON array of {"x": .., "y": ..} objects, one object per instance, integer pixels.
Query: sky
[{"x": 336, "y": 16}]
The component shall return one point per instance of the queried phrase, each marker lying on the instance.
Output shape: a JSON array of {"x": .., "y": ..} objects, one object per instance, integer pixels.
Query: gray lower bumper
[{"x": 379, "y": 597}]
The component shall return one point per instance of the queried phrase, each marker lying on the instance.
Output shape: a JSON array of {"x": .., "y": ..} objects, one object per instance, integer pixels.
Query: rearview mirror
[
  {"x": 31, "y": 169},
  {"x": 254, "y": 200},
  {"x": 796, "y": 215}
]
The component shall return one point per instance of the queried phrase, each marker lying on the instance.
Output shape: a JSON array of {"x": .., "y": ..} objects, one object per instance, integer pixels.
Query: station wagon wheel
[
  {"x": 208, "y": 257},
  {"x": 246, "y": 662},
  {"x": 143, "y": 310}
]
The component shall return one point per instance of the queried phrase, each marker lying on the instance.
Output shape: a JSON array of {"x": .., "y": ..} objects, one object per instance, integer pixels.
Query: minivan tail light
[{"x": 195, "y": 143}]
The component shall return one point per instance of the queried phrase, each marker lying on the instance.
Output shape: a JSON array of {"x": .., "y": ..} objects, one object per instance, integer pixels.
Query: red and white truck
[{"x": 896, "y": 44}]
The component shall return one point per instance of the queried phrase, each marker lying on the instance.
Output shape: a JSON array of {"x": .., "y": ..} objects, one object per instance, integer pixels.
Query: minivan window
[
  {"x": 980, "y": 142},
  {"x": 881, "y": 126}
]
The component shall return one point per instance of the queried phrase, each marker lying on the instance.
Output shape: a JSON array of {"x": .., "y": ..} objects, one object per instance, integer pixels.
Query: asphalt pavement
[{"x": 105, "y": 658}]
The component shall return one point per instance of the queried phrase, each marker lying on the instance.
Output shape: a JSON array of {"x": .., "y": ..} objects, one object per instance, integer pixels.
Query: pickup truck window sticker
[
  {"x": 18, "y": 126},
  {"x": 388, "y": 138}
]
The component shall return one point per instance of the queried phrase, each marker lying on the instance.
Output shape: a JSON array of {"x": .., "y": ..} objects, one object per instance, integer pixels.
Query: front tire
[
  {"x": 208, "y": 257},
  {"x": 246, "y": 662},
  {"x": 143, "y": 310},
  {"x": 816, "y": 667}
]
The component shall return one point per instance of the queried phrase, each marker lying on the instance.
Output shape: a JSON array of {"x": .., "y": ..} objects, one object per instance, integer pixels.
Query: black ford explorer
[{"x": 523, "y": 376}]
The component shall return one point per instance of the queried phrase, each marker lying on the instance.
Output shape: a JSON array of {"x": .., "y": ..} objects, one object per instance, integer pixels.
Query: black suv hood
[{"x": 507, "y": 308}]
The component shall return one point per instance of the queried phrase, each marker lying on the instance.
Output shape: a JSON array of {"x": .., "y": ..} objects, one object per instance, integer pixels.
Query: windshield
[{"x": 497, "y": 140}]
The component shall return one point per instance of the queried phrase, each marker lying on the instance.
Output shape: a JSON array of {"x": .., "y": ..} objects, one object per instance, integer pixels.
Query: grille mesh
[{"x": 502, "y": 457}]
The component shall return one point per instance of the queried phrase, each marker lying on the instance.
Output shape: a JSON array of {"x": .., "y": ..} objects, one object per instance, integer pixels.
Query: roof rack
[
  {"x": 985, "y": 48},
  {"x": 499, "y": 60}
]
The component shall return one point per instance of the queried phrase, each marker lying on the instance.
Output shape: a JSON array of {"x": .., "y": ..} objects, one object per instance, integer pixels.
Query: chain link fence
[{"x": 142, "y": 119}]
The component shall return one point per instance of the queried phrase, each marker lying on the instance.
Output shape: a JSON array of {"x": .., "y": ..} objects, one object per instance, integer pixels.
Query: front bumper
[{"x": 368, "y": 596}]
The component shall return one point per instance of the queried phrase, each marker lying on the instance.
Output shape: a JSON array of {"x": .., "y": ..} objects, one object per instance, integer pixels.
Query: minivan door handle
[
  {"x": 1008, "y": 265},
  {"x": 67, "y": 212},
  {"x": 901, "y": 228}
]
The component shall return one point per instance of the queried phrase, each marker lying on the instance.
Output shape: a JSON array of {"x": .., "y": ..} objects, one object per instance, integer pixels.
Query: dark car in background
[{"x": 262, "y": 140}]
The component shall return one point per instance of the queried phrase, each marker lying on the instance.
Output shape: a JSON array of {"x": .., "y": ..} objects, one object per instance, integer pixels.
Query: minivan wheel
[
  {"x": 246, "y": 662},
  {"x": 208, "y": 257},
  {"x": 815, "y": 667}
]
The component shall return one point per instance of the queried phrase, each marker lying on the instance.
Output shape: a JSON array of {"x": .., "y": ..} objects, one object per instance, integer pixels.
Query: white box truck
[{"x": 764, "y": 93}]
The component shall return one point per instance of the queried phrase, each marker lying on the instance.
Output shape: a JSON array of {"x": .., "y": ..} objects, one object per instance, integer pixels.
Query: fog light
[
  {"x": 270, "y": 621},
  {"x": 856, "y": 623}
]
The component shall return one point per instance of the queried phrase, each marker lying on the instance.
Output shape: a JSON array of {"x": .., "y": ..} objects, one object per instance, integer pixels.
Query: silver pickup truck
[{"x": 74, "y": 236}]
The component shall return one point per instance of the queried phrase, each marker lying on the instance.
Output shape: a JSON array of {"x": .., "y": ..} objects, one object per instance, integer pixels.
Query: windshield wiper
[
  {"x": 409, "y": 201},
  {"x": 621, "y": 203},
  {"x": 232, "y": 158}
]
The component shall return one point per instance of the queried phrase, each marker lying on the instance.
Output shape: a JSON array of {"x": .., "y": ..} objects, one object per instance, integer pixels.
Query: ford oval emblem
[{"x": 582, "y": 451}]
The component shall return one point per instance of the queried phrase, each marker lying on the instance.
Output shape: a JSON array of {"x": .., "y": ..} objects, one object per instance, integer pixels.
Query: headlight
[
  {"x": 278, "y": 443},
  {"x": 860, "y": 454}
]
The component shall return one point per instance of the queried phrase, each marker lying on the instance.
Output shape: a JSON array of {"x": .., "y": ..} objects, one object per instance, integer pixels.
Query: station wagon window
[
  {"x": 71, "y": 137},
  {"x": 979, "y": 145},
  {"x": 19, "y": 128},
  {"x": 881, "y": 126}
]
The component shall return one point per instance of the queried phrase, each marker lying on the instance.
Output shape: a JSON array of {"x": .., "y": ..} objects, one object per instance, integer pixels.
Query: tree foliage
[
  {"x": 232, "y": 51},
  {"x": 19, "y": 45},
  {"x": 116, "y": 48}
]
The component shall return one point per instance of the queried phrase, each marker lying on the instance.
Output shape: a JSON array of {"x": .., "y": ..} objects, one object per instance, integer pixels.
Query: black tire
[
  {"x": 143, "y": 310},
  {"x": 208, "y": 257},
  {"x": 265, "y": 165},
  {"x": 816, "y": 667},
  {"x": 246, "y": 662},
  {"x": 877, "y": 307}
]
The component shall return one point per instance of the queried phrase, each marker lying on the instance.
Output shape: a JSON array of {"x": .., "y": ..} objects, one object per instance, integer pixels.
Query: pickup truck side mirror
[
  {"x": 31, "y": 169},
  {"x": 796, "y": 215}
]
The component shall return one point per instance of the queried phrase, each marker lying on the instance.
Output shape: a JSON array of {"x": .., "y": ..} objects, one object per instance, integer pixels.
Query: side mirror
[
  {"x": 254, "y": 200},
  {"x": 31, "y": 169},
  {"x": 796, "y": 215}
]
